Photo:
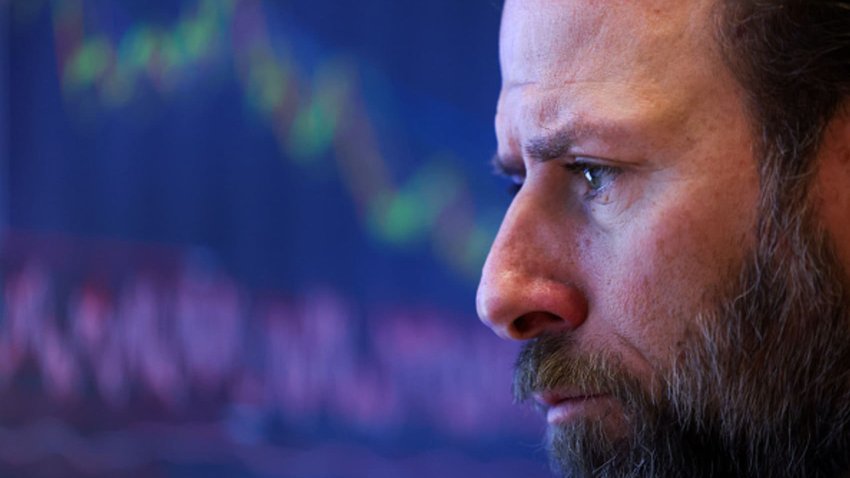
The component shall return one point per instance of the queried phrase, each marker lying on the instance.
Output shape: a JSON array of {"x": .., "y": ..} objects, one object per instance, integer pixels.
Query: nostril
[
  {"x": 531, "y": 325},
  {"x": 519, "y": 306}
]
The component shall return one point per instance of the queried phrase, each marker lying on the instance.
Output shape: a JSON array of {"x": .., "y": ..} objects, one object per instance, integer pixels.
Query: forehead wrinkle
[
  {"x": 639, "y": 120},
  {"x": 553, "y": 108}
]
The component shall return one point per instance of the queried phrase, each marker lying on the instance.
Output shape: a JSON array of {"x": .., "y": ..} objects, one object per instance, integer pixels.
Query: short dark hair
[{"x": 792, "y": 58}]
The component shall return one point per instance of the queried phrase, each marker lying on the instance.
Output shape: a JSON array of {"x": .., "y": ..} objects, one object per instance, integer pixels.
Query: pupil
[{"x": 592, "y": 178}]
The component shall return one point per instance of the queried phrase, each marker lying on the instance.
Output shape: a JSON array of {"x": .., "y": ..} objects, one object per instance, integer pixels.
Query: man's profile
[{"x": 677, "y": 255}]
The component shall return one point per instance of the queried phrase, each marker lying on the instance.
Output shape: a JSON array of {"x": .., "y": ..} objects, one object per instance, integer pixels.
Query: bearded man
[{"x": 677, "y": 255}]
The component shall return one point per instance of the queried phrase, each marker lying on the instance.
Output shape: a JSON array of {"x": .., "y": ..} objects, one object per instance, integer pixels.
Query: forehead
[
  {"x": 635, "y": 63},
  {"x": 549, "y": 41}
]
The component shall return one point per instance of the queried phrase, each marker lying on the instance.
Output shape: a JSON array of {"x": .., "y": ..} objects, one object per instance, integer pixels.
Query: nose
[{"x": 528, "y": 286}]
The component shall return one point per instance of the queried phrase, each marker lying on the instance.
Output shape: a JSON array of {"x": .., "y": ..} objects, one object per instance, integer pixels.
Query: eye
[
  {"x": 509, "y": 168},
  {"x": 596, "y": 177},
  {"x": 515, "y": 185}
]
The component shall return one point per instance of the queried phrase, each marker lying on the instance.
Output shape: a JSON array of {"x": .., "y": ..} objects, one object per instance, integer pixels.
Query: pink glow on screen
[{"x": 195, "y": 332}]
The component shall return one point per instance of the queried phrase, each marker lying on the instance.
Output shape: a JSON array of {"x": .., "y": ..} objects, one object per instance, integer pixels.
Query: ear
[{"x": 831, "y": 187}]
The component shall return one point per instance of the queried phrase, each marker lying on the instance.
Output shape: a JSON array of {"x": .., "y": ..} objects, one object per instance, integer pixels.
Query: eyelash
[
  {"x": 515, "y": 185},
  {"x": 578, "y": 168}
]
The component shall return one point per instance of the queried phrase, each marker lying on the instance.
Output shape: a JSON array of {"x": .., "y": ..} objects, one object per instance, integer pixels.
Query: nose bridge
[
  {"x": 528, "y": 282},
  {"x": 515, "y": 248}
]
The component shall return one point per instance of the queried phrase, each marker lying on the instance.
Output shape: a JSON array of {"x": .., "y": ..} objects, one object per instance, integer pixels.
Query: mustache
[{"x": 554, "y": 362}]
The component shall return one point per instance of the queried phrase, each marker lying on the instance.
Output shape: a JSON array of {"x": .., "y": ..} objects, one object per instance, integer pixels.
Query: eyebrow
[
  {"x": 554, "y": 145},
  {"x": 502, "y": 165},
  {"x": 541, "y": 149}
]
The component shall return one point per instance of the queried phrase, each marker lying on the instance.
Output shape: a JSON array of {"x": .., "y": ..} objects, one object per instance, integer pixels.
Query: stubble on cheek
[{"x": 677, "y": 268}]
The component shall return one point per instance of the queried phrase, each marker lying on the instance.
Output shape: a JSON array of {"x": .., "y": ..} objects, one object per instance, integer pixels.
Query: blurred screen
[{"x": 242, "y": 238}]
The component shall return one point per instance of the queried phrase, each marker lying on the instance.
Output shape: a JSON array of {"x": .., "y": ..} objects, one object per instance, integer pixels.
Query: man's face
[
  {"x": 639, "y": 185},
  {"x": 645, "y": 195},
  {"x": 631, "y": 240}
]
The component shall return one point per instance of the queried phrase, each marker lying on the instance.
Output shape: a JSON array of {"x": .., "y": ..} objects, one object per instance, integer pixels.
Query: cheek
[{"x": 661, "y": 274}]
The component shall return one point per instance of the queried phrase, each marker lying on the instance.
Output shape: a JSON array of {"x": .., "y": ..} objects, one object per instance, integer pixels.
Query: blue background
[{"x": 242, "y": 238}]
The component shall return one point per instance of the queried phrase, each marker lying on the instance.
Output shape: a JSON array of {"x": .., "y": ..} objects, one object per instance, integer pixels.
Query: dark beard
[{"x": 760, "y": 386}]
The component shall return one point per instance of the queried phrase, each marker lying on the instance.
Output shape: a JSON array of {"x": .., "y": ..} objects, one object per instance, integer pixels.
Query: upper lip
[{"x": 552, "y": 398}]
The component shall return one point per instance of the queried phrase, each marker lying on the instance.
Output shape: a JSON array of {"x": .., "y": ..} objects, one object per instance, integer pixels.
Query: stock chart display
[{"x": 242, "y": 238}]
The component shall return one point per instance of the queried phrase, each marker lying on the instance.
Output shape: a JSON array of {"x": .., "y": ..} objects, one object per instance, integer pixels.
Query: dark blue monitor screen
[{"x": 243, "y": 237}]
